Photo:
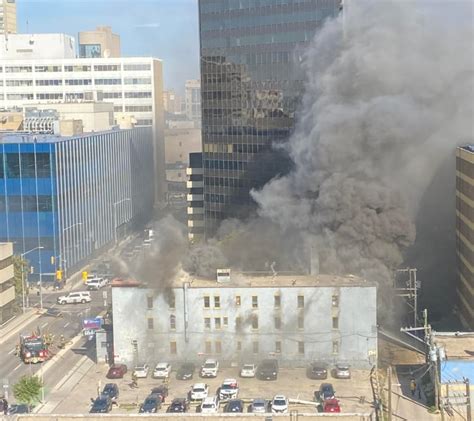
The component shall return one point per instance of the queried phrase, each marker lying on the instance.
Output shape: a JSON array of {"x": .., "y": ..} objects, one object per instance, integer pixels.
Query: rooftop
[
  {"x": 241, "y": 280},
  {"x": 457, "y": 345},
  {"x": 469, "y": 148}
]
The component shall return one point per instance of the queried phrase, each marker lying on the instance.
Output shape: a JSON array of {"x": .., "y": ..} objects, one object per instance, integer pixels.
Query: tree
[
  {"x": 28, "y": 390},
  {"x": 18, "y": 265}
]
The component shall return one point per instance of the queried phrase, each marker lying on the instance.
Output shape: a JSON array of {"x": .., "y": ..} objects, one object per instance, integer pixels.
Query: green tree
[
  {"x": 28, "y": 390},
  {"x": 18, "y": 265}
]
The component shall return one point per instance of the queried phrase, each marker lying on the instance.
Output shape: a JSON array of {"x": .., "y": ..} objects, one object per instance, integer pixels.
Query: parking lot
[{"x": 354, "y": 394}]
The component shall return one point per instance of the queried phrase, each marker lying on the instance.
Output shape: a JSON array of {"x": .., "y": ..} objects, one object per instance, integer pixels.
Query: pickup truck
[
  {"x": 95, "y": 284},
  {"x": 210, "y": 368}
]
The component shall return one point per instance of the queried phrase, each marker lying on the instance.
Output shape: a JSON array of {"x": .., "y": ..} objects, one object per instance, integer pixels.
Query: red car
[
  {"x": 331, "y": 405},
  {"x": 116, "y": 371}
]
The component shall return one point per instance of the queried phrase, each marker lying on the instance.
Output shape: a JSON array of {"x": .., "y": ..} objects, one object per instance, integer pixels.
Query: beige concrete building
[
  {"x": 7, "y": 282},
  {"x": 179, "y": 143},
  {"x": 465, "y": 232},
  {"x": 7, "y": 17},
  {"x": 100, "y": 43},
  {"x": 172, "y": 103},
  {"x": 11, "y": 121}
]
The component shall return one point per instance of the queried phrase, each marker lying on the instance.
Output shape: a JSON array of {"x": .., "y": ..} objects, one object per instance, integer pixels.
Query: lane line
[
  {"x": 18, "y": 366},
  {"x": 44, "y": 325},
  {"x": 67, "y": 324},
  {"x": 12, "y": 351}
]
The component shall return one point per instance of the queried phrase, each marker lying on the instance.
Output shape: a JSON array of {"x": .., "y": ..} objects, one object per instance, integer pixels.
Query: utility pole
[
  {"x": 389, "y": 400},
  {"x": 468, "y": 400}
]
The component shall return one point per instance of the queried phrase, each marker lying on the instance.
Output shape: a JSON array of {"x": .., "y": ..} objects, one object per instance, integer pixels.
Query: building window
[
  {"x": 278, "y": 347},
  {"x": 208, "y": 347},
  {"x": 171, "y": 300},
  {"x": 238, "y": 323},
  {"x": 335, "y": 322},
  {"x": 255, "y": 347},
  {"x": 217, "y": 301},
  {"x": 300, "y": 301},
  {"x": 150, "y": 323},
  {"x": 207, "y": 301},
  {"x": 173, "y": 348},
  {"x": 217, "y": 322},
  {"x": 254, "y": 301},
  {"x": 108, "y": 81},
  {"x": 207, "y": 323},
  {"x": 149, "y": 302},
  {"x": 218, "y": 347},
  {"x": 335, "y": 300},
  {"x": 138, "y": 108},
  {"x": 137, "y": 81},
  {"x": 335, "y": 347},
  {"x": 107, "y": 67},
  {"x": 277, "y": 321},
  {"x": 300, "y": 347},
  {"x": 239, "y": 346},
  {"x": 238, "y": 300},
  {"x": 277, "y": 301},
  {"x": 301, "y": 322},
  {"x": 173, "y": 322},
  {"x": 225, "y": 321},
  {"x": 255, "y": 322},
  {"x": 136, "y": 67},
  {"x": 146, "y": 94}
]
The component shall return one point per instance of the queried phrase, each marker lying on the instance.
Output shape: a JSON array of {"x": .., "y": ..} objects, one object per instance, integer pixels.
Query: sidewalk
[{"x": 13, "y": 326}]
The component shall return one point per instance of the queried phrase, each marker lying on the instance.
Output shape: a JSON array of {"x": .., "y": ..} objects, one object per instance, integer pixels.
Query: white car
[
  {"x": 75, "y": 297},
  {"x": 162, "y": 371},
  {"x": 210, "y": 405},
  {"x": 280, "y": 404},
  {"x": 229, "y": 389},
  {"x": 199, "y": 391},
  {"x": 141, "y": 370},
  {"x": 248, "y": 370},
  {"x": 96, "y": 283},
  {"x": 210, "y": 368}
]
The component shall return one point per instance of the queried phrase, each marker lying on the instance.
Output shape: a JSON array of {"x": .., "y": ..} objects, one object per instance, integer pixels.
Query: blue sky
[{"x": 166, "y": 29}]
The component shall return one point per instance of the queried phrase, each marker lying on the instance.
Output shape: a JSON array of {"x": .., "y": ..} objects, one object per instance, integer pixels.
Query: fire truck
[{"x": 33, "y": 349}]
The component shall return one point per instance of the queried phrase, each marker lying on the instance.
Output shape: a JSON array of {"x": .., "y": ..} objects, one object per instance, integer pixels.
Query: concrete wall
[
  {"x": 355, "y": 337},
  {"x": 179, "y": 143},
  {"x": 36, "y": 46},
  {"x": 108, "y": 41},
  {"x": 7, "y": 293}
]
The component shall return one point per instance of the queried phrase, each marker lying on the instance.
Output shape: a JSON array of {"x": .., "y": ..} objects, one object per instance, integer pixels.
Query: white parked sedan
[
  {"x": 141, "y": 370},
  {"x": 199, "y": 391},
  {"x": 279, "y": 404},
  {"x": 162, "y": 371},
  {"x": 248, "y": 370}
]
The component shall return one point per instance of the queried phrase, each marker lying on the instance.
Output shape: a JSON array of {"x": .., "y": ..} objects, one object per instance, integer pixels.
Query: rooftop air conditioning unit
[{"x": 223, "y": 275}]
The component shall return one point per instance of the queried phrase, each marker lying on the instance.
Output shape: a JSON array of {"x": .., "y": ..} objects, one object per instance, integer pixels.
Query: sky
[{"x": 165, "y": 29}]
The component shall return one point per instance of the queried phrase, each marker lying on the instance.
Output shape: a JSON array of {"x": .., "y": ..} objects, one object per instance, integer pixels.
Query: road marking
[
  {"x": 18, "y": 366},
  {"x": 44, "y": 325},
  {"x": 66, "y": 325},
  {"x": 12, "y": 351}
]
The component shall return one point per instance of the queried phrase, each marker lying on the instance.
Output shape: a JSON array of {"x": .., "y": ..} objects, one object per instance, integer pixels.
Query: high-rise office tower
[
  {"x": 251, "y": 81},
  {"x": 7, "y": 17}
]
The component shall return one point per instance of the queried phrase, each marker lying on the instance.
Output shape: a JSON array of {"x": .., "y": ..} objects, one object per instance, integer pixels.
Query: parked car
[
  {"x": 279, "y": 404},
  {"x": 199, "y": 391},
  {"x": 162, "y": 371},
  {"x": 116, "y": 371},
  {"x": 210, "y": 368},
  {"x": 95, "y": 284},
  {"x": 112, "y": 391},
  {"x": 229, "y": 389},
  {"x": 248, "y": 370},
  {"x": 102, "y": 404},
  {"x": 342, "y": 371},
  {"x": 210, "y": 405},
  {"x": 18, "y": 408},
  {"x": 317, "y": 371},
  {"x": 258, "y": 406},
  {"x": 331, "y": 405},
  {"x": 75, "y": 297},
  {"x": 151, "y": 404},
  {"x": 186, "y": 371},
  {"x": 234, "y": 405},
  {"x": 268, "y": 370},
  {"x": 141, "y": 370},
  {"x": 326, "y": 391},
  {"x": 179, "y": 405},
  {"x": 161, "y": 390}
]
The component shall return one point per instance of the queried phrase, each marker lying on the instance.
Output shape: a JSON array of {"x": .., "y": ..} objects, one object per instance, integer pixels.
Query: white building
[
  {"x": 36, "y": 46},
  {"x": 192, "y": 100},
  {"x": 296, "y": 319}
]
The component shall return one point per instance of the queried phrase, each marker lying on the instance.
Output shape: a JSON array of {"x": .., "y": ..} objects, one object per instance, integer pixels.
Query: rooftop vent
[{"x": 223, "y": 275}]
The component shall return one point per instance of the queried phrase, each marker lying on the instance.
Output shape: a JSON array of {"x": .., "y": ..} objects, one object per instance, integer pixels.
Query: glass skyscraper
[{"x": 252, "y": 82}]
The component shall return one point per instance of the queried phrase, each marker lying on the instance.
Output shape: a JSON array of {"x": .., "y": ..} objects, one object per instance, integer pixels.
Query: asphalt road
[{"x": 69, "y": 324}]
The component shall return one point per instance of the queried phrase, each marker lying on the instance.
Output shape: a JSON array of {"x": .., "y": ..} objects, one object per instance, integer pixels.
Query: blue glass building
[{"x": 71, "y": 197}]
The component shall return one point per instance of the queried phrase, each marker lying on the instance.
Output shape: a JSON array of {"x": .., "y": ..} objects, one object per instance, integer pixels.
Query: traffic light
[
  {"x": 59, "y": 275},
  {"x": 84, "y": 276}
]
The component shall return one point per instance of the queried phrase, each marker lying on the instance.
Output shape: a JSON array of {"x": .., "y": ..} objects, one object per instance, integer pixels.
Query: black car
[
  {"x": 102, "y": 404},
  {"x": 151, "y": 404},
  {"x": 326, "y": 391},
  {"x": 161, "y": 390},
  {"x": 179, "y": 405},
  {"x": 19, "y": 409},
  {"x": 317, "y": 371},
  {"x": 112, "y": 391},
  {"x": 234, "y": 405},
  {"x": 186, "y": 371},
  {"x": 268, "y": 370}
]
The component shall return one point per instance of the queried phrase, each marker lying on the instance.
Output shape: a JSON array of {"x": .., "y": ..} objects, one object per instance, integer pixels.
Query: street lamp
[
  {"x": 22, "y": 255},
  {"x": 115, "y": 216}
]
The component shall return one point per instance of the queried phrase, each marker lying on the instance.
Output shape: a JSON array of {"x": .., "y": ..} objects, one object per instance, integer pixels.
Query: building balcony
[
  {"x": 7, "y": 296},
  {"x": 195, "y": 210},
  {"x": 195, "y": 184},
  {"x": 195, "y": 197},
  {"x": 194, "y": 171},
  {"x": 192, "y": 224}
]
